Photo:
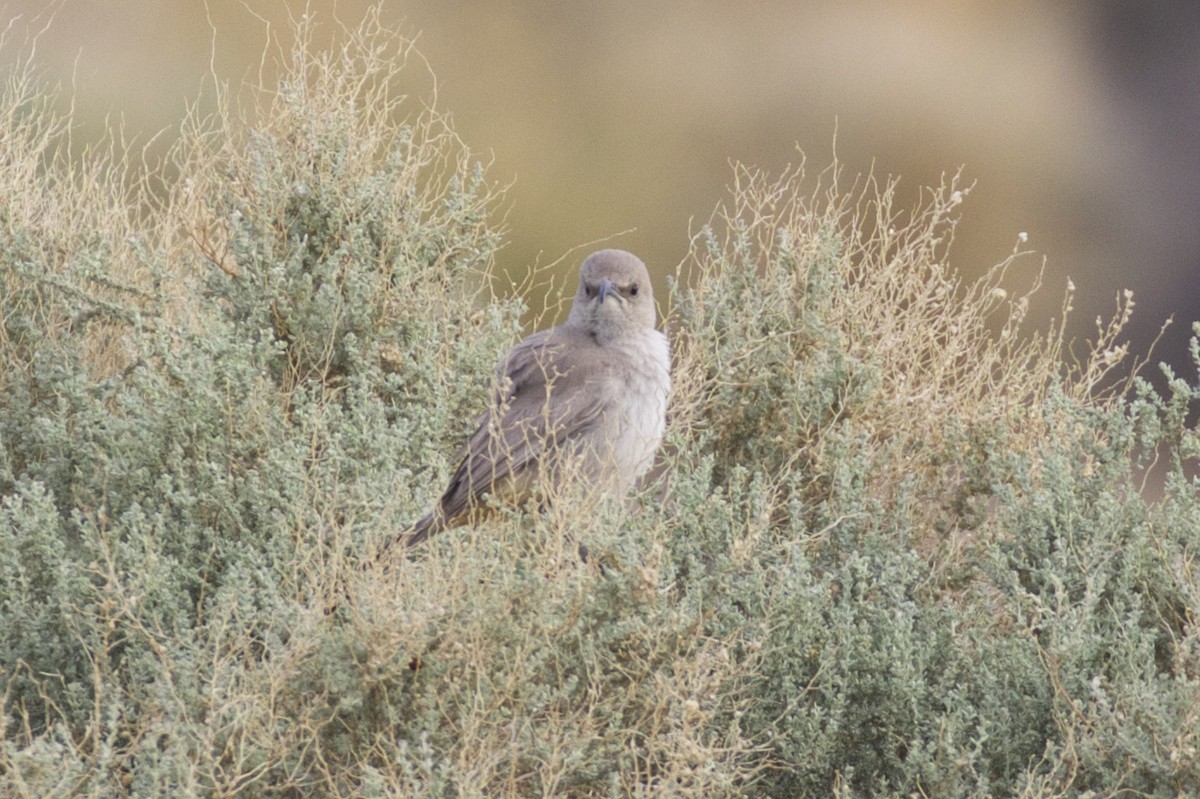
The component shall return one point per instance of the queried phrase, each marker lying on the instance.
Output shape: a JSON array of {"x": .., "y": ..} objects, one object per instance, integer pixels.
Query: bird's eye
[
  {"x": 590, "y": 290},
  {"x": 633, "y": 290}
]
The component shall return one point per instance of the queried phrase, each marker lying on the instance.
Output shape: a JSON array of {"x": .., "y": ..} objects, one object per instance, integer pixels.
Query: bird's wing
[{"x": 547, "y": 397}]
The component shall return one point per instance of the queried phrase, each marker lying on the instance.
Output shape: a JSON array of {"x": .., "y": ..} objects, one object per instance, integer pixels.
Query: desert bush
[
  {"x": 938, "y": 502},
  {"x": 896, "y": 542}
]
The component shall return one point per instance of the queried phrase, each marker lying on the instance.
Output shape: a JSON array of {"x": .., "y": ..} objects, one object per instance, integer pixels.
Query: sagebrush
[{"x": 896, "y": 542}]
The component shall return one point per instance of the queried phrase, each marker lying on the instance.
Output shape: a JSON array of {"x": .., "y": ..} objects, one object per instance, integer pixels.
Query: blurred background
[{"x": 1079, "y": 123}]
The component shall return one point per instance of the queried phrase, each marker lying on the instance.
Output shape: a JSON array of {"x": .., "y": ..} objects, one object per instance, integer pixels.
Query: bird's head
[{"x": 615, "y": 297}]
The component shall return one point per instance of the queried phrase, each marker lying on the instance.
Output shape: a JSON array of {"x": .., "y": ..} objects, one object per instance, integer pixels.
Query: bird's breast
[{"x": 641, "y": 383}]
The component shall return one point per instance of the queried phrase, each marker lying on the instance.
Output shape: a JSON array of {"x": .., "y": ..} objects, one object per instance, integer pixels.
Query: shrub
[{"x": 895, "y": 544}]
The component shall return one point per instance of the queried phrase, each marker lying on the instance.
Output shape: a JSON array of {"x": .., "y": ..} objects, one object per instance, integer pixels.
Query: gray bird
[{"x": 583, "y": 402}]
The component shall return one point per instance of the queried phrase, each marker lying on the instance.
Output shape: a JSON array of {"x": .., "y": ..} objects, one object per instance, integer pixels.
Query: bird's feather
[{"x": 543, "y": 408}]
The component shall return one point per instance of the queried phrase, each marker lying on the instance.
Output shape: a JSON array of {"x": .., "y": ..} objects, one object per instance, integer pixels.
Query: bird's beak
[{"x": 607, "y": 287}]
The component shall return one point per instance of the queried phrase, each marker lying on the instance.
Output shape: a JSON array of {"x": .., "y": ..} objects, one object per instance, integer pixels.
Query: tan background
[{"x": 1080, "y": 125}]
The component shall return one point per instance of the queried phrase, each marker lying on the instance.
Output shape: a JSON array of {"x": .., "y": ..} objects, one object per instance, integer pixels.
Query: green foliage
[{"x": 895, "y": 546}]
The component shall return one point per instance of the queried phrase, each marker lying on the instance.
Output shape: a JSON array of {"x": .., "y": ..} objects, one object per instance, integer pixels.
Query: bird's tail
[
  {"x": 428, "y": 525},
  {"x": 431, "y": 523}
]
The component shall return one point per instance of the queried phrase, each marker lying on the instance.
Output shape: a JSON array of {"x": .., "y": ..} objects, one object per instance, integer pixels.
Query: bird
[{"x": 582, "y": 404}]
